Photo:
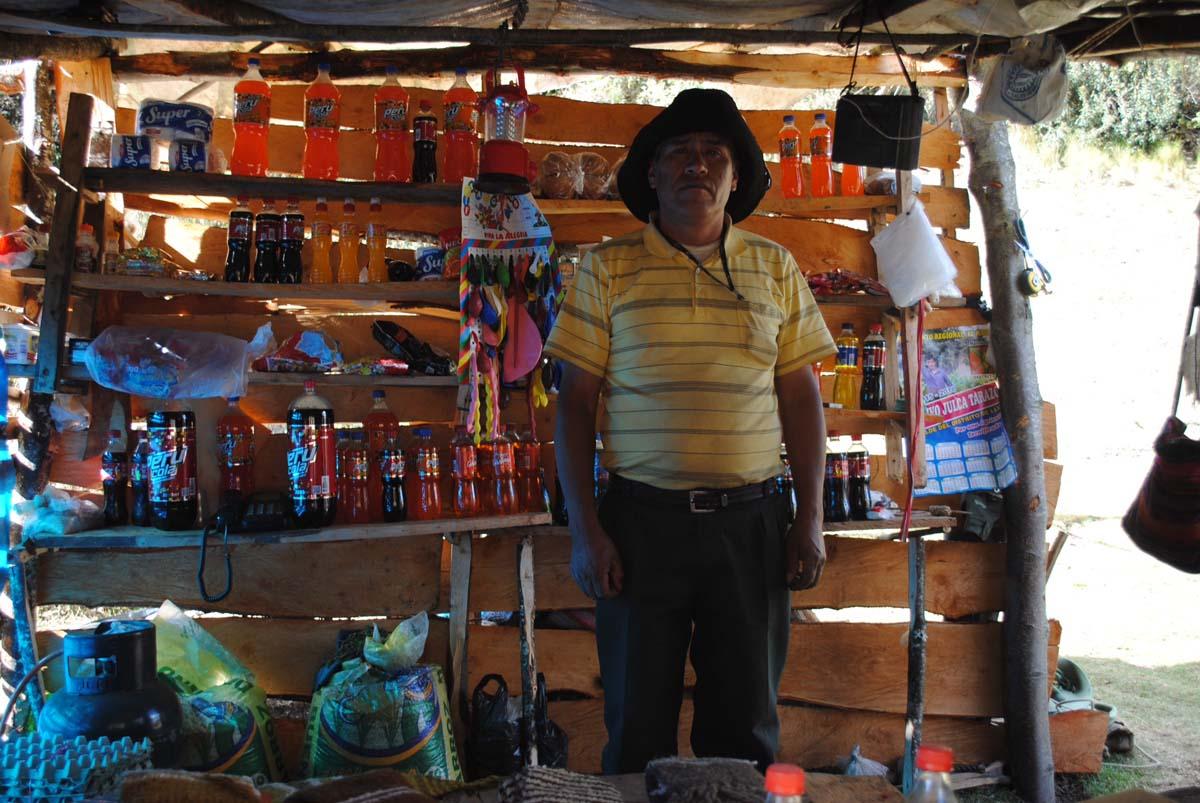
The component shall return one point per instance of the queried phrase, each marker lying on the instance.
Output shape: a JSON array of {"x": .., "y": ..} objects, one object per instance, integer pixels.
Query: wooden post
[
  {"x": 529, "y": 671},
  {"x": 21, "y": 567},
  {"x": 993, "y": 185},
  {"x": 460, "y": 609},
  {"x": 918, "y": 636}
]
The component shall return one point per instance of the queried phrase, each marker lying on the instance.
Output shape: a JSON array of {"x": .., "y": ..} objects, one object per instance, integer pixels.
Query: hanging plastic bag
[
  {"x": 1028, "y": 84},
  {"x": 174, "y": 364},
  {"x": 912, "y": 262}
]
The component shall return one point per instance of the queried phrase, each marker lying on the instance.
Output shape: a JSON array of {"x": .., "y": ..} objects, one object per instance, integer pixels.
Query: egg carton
[{"x": 38, "y": 768}]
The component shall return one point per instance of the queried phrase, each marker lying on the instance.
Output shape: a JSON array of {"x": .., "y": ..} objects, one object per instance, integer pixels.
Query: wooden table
[{"x": 822, "y": 788}]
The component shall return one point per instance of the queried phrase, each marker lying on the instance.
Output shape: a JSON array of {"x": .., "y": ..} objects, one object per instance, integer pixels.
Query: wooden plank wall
[{"x": 845, "y": 682}]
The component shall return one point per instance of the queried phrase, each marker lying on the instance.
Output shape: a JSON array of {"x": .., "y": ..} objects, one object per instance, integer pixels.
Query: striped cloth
[
  {"x": 689, "y": 370},
  {"x": 547, "y": 785}
]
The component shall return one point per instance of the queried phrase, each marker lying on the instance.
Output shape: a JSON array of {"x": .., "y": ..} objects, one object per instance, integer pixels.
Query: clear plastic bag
[
  {"x": 173, "y": 364},
  {"x": 912, "y": 262}
]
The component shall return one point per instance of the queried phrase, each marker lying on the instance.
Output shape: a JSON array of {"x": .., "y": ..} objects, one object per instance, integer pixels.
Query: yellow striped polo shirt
[{"x": 689, "y": 395}]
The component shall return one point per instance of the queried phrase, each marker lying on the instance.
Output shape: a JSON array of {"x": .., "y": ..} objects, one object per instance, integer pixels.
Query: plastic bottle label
[
  {"x": 293, "y": 227},
  {"x": 239, "y": 227},
  {"x": 312, "y": 461},
  {"x": 428, "y": 467},
  {"x": 376, "y": 231},
  {"x": 425, "y": 129},
  {"x": 237, "y": 448},
  {"x": 391, "y": 465},
  {"x": 172, "y": 466},
  {"x": 837, "y": 467},
  {"x": 322, "y": 228},
  {"x": 503, "y": 458},
  {"x": 358, "y": 465},
  {"x": 847, "y": 355},
  {"x": 138, "y": 473},
  {"x": 251, "y": 108},
  {"x": 872, "y": 357},
  {"x": 464, "y": 462},
  {"x": 391, "y": 115},
  {"x": 789, "y": 148},
  {"x": 818, "y": 144},
  {"x": 321, "y": 113},
  {"x": 461, "y": 116},
  {"x": 112, "y": 471},
  {"x": 267, "y": 231}
]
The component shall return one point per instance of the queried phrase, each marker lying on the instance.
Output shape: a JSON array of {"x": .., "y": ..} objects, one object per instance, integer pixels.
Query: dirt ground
[{"x": 1120, "y": 240}]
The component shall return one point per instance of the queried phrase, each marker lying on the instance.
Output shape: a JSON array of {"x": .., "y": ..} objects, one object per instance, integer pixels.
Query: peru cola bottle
[
  {"x": 268, "y": 229},
  {"x": 139, "y": 482},
  {"x": 172, "y": 469},
  {"x": 237, "y": 258},
  {"x": 114, "y": 475},
  {"x": 391, "y": 474},
  {"x": 312, "y": 459}
]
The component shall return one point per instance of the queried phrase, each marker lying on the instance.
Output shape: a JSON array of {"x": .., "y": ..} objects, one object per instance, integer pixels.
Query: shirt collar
[{"x": 656, "y": 244}]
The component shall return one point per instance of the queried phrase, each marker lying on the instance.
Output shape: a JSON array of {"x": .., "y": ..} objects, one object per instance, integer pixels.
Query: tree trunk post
[{"x": 992, "y": 183}]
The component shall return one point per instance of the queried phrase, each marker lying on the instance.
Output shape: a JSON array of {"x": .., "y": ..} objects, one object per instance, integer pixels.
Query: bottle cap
[
  {"x": 253, "y": 63},
  {"x": 86, "y": 228},
  {"x": 876, "y": 328},
  {"x": 789, "y": 119},
  {"x": 423, "y": 432},
  {"x": 114, "y": 433},
  {"x": 461, "y": 429},
  {"x": 425, "y": 107},
  {"x": 933, "y": 758},
  {"x": 847, "y": 325},
  {"x": 391, "y": 69},
  {"x": 460, "y": 70},
  {"x": 234, "y": 399},
  {"x": 310, "y": 386},
  {"x": 323, "y": 66},
  {"x": 785, "y": 779},
  {"x": 820, "y": 116},
  {"x": 377, "y": 394}
]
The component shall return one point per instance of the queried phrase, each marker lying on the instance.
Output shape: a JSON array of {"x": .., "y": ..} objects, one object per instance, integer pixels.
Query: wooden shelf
[
  {"x": 860, "y": 422},
  {"x": 150, "y": 538},
  {"x": 919, "y": 522},
  {"x": 160, "y": 182},
  {"x": 355, "y": 296},
  {"x": 79, "y": 373}
]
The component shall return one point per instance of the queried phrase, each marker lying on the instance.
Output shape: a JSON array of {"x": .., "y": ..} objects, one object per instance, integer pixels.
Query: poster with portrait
[{"x": 966, "y": 445}]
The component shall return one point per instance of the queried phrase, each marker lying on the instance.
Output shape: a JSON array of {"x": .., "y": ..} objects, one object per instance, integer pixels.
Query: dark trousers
[{"x": 714, "y": 581}]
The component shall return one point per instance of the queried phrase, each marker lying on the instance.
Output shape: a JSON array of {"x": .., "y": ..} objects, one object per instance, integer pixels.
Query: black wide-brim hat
[{"x": 692, "y": 111}]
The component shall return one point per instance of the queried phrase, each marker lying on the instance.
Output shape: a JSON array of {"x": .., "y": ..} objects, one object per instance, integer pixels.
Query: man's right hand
[{"x": 595, "y": 563}]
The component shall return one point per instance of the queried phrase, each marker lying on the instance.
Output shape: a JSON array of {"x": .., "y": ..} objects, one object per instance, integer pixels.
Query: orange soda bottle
[
  {"x": 235, "y": 438},
  {"x": 393, "y": 153},
  {"x": 348, "y": 241},
  {"x": 382, "y": 426},
  {"x": 504, "y": 466},
  {"x": 852, "y": 180},
  {"x": 377, "y": 270},
  {"x": 820, "y": 141},
  {"x": 425, "y": 501},
  {"x": 357, "y": 478},
  {"x": 322, "y": 122},
  {"x": 466, "y": 491},
  {"x": 531, "y": 490},
  {"x": 460, "y": 107},
  {"x": 251, "y": 121},
  {"x": 791, "y": 167},
  {"x": 486, "y": 469},
  {"x": 319, "y": 269}
]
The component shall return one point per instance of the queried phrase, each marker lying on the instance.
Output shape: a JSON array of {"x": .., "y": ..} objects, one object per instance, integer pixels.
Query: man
[{"x": 699, "y": 337}]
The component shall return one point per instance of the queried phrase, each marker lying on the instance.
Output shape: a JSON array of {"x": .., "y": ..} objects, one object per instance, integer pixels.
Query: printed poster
[{"x": 966, "y": 445}]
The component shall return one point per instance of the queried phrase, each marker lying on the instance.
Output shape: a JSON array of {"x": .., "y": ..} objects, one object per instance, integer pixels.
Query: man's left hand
[{"x": 805, "y": 554}]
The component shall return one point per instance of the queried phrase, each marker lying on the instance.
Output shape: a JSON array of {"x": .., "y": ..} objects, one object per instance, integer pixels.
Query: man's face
[{"x": 693, "y": 175}]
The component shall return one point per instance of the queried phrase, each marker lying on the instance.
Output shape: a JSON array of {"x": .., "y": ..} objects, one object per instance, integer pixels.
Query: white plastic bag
[
  {"x": 173, "y": 364},
  {"x": 912, "y": 262},
  {"x": 1028, "y": 84}
]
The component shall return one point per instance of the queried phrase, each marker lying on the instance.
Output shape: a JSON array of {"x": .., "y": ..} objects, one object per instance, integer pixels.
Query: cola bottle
[
  {"x": 291, "y": 242},
  {"x": 237, "y": 258},
  {"x": 139, "y": 482},
  {"x": 312, "y": 459},
  {"x": 391, "y": 473},
  {"x": 267, "y": 231},
  {"x": 424, "y": 169},
  {"x": 837, "y": 485},
  {"x": 114, "y": 474},
  {"x": 172, "y": 464},
  {"x": 871, "y": 396},
  {"x": 860, "y": 481}
]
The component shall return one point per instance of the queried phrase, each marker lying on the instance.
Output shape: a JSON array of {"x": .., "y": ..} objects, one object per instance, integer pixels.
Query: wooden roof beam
[
  {"x": 522, "y": 37},
  {"x": 1141, "y": 35},
  {"x": 65, "y": 48},
  {"x": 799, "y": 71},
  {"x": 224, "y": 12}
]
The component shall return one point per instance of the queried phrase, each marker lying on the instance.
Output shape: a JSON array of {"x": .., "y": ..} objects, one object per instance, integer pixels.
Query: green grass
[{"x": 1068, "y": 788}]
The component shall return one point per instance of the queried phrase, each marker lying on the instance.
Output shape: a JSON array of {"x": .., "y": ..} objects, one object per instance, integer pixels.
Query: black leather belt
[{"x": 701, "y": 500}]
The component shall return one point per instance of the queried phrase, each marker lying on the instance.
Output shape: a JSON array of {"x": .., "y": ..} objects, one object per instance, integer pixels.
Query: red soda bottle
[
  {"x": 312, "y": 459},
  {"x": 466, "y": 490},
  {"x": 114, "y": 475},
  {"x": 530, "y": 482},
  {"x": 820, "y": 139},
  {"x": 460, "y": 107},
  {"x": 251, "y": 121},
  {"x": 382, "y": 427},
  {"x": 393, "y": 154},
  {"x": 425, "y": 501},
  {"x": 356, "y": 473},
  {"x": 504, "y": 466},
  {"x": 486, "y": 482},
  {"x": 322, "y": 122},
  {"x": 235, "y": 439}
]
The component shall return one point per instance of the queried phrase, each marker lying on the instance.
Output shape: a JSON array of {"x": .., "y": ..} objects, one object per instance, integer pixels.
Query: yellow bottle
[
  {"x": 319, "y": 269},
  {"x": 845, "y": 381},
  {"x": 376, "y": 244},
  {"x": 348, "y": 242}
]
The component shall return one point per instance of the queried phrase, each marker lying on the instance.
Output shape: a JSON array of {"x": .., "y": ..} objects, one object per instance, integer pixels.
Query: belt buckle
[{"x": 718, "y": 502}]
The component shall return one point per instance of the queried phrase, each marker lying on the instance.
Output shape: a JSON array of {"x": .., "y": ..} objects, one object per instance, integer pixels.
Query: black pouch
[{"x": 493, "y": 747}]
